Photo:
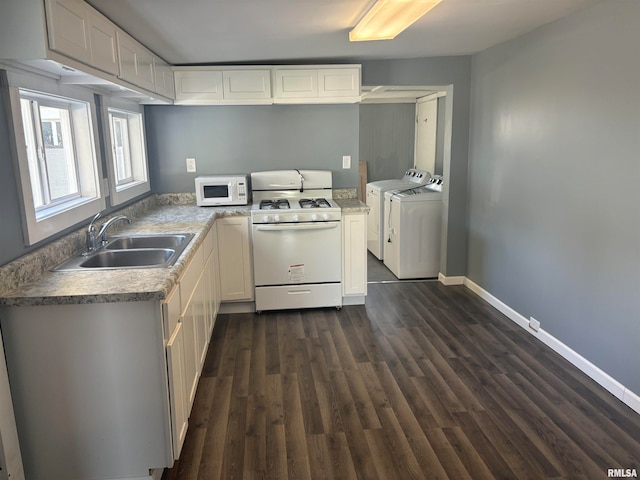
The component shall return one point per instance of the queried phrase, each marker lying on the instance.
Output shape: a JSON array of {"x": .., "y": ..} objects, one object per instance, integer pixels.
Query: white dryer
[
  {"x": 412, "y": 230},
  {"x": 375, "y": 202}
]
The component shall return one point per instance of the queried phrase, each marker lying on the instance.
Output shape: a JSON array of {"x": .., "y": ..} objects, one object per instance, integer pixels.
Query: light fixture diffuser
[{"x": 387, "y": 18}]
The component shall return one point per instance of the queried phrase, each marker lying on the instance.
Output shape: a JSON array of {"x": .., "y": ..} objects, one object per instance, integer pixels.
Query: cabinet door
[
  {"x": 104, "y": 49},
  {"x": 69, "y": 29},
  {"x": 338, "y": 82},
  {"x": 200, "y": 311},
  {"x": 194, "y": 87},
  {"x": 215, "y": 274},
  {"x": 164, "y": 78},
  {"x": 234, "y": 258},
  {"x": 296, "y": 83},
  {"x": 191, "y": 367},
  {"x": 246, "y": 84},
  {"x": 178, "y": 395},
  {"x": 136, "y": 62},
  {"x": 354, "y": 268}
]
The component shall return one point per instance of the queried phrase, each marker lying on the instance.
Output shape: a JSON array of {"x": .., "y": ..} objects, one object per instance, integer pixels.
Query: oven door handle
[{"x": 297, "y": 226}]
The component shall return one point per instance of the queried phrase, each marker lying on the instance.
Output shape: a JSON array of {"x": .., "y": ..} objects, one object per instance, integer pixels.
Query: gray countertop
[
  {"x": 139, "y": 284},
  {"x": 30, "y": 281},
  {"x": 351, "y": 205}
]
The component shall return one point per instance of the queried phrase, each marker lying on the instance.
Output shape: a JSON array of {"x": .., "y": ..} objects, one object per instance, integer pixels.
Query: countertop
[
  {"x": 29, "y": 281},
  {"x": 125, "y": 285},
  {"x": 351, "y": 205}
]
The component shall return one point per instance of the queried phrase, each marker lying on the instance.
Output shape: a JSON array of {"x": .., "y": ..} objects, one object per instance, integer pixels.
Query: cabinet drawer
[
  {"x": 209, "y": 242},
  {"x": 171, "y": 312}
]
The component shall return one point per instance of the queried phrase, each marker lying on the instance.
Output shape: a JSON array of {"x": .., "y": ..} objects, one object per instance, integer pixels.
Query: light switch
[
  {"x": 346, "y": 161},
  {"x": 191, "y": 164}
]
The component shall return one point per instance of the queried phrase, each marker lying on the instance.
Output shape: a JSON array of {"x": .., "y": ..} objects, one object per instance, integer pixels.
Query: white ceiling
[{"x": 279, "y": 31}]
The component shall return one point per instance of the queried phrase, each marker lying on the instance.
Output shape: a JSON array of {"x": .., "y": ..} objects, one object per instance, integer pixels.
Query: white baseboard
[
  {"x": 631, "y": 399},
  {"x": 450, "y": 280}
]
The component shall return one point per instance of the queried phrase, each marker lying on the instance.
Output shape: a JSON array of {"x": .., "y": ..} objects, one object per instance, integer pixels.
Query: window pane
[
  {"x": 120, "y": 144},
  {"x": 62, "y": 173},
  {"x": 32, "y": 153}
]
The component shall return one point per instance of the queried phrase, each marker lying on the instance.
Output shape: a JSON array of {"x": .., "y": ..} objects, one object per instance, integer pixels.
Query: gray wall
[
  {"x": 554, "y": 230},
  {"x": 245, "y": 139},
  {"x": 12, "y": 243},
  {"x": 453, "y": 75},
  {"x": 387, "y": 139},
  {"x": 11, "y": 239}
]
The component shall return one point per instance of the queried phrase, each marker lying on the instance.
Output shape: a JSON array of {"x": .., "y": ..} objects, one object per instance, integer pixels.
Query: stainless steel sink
[
  {"x": 133, "y": 251},
  {"x": 148, "y": 241},
  {"x": 128, "y": 258}
]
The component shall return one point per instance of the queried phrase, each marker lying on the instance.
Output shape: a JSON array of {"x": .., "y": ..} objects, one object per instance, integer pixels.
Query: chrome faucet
[
  {"x": 92, "y": 239},
  {"x": 102, "y": 234}
]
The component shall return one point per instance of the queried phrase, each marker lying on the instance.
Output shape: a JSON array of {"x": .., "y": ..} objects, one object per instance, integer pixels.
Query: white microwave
[{"x": 218, "y": 190}]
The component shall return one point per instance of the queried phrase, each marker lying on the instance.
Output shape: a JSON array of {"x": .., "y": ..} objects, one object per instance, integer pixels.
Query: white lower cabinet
[
  {"x": 90, "y": 389},
  {"x": 234, "y": 259},
  {"x": 105, "y": 390},
  {"x": 354, "y": 267},
  {"x": 177, "y": 389}
]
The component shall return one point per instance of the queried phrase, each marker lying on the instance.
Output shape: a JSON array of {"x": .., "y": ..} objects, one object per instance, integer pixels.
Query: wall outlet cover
[
  {"x": 346, "y": 161},
  {"x": 191, "y": 164}
]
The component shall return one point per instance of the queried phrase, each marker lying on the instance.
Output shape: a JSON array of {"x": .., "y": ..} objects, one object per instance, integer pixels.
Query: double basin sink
[{"x": 132, "y": 251}]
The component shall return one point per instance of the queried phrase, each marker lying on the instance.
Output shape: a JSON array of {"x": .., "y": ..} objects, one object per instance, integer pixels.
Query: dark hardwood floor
[{"x": 423, "y": 382}]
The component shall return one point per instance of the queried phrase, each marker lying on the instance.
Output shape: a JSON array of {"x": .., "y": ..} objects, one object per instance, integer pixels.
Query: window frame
[
  {"x": 37, "y": 100},
  {"x": 39, "y": 224},
  {"x": 140, "y": 184}
]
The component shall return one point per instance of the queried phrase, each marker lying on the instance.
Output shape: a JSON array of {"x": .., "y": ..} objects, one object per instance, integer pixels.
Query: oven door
[{"x": 297, "y": 253}]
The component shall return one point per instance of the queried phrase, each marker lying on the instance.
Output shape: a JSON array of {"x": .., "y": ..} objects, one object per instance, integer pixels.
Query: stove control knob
[
  {"x": 266, "y": 219},
  {"x": 325, "y": 216},
  {"x": 276, "y": 218},
  {"x": 296, "y": 218},
  {"x": 314, "y": 217}
]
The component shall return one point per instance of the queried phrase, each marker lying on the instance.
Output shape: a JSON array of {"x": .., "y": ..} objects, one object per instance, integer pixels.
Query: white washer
[
  {"x": 412, "y": 229},
  {"x": 375, "y": 202}
]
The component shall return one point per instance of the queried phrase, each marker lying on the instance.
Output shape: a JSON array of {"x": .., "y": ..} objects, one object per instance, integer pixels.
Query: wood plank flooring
[{"x": 424, "y": 382}]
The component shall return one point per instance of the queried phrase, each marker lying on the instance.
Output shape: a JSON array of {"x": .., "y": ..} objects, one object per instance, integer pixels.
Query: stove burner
[
  {"x": 314, "y": 203},
  {"x": 276, "y": 204}
]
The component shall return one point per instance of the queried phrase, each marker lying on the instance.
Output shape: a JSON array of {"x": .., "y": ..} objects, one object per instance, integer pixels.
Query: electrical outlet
[
  {"x": 191, "y": 164},
  {"x": 346, "y": 161},
  {"x": 534, "y": 324}
]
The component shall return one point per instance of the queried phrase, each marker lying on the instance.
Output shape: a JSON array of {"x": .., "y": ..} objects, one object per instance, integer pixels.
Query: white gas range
[{"x": 297, "y": 240}]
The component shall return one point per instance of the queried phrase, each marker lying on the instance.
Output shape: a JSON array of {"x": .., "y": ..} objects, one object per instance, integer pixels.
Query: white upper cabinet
[
  {"x": 80, "y": 32},
  {"x": 320, "y": 84},
  {"x": 85, "y": 46},
  {"x": 231, "y": 85},
  {"x": 136, "y": 62},
  {"x": 198, "y": 87},
  {"x": 104, "y": 49},
  {"x": 164, "y": 78},
  {"x": 247, "y": 85},
  {"x": 296, "y": 83},
  {"x": 68, "y": 28},
  {"x": 218, "y": 86}
]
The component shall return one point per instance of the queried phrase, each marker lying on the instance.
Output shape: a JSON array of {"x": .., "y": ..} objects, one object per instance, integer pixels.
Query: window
[
  {"x": 58, "y": 167},
  {"x": 53, "y": 166},
  {"x": 128, "y": 166}
]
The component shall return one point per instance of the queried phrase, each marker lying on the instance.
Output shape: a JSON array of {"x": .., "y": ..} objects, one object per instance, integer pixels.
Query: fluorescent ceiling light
[{"x": 387, "y": 18}]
